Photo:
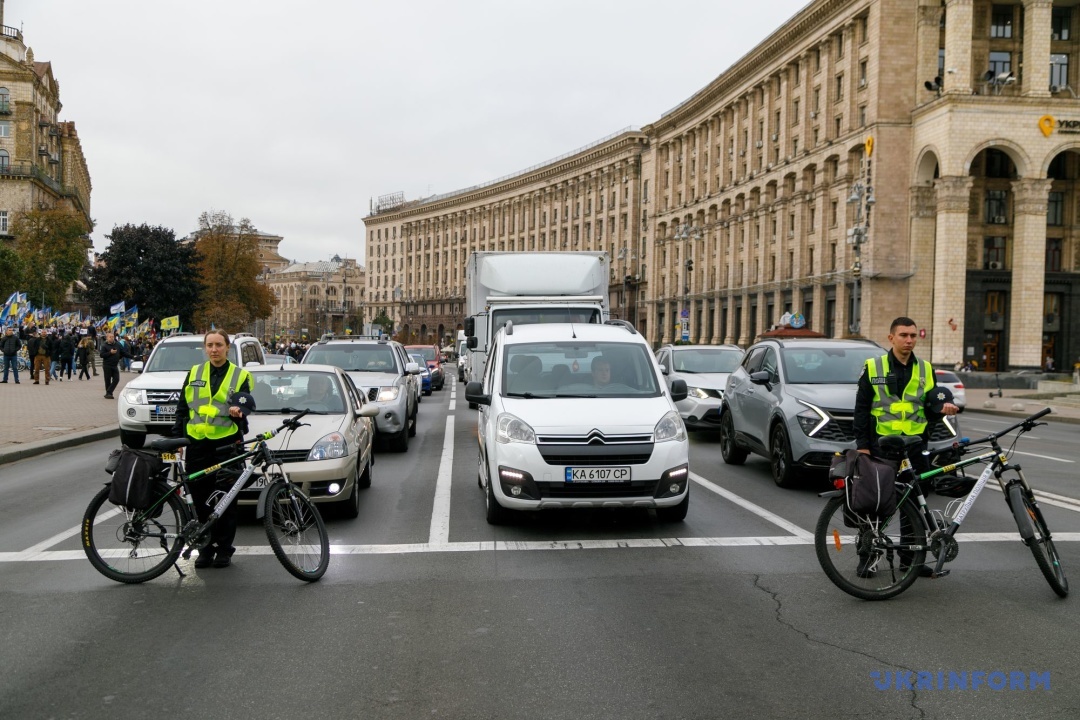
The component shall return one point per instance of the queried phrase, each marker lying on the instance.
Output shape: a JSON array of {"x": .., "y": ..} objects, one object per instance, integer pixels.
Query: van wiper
[
  {"x": 565, "y": 395},
  {"x": 528, "y": 395}
]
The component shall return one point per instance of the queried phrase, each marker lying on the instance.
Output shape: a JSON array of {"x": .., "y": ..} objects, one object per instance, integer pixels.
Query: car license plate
[
  {"x": 165, "y": 410},
  {"x": 260, "y": 482},
  {"x": 597, "y": 474},
  {"x": 169, "y": 458}
]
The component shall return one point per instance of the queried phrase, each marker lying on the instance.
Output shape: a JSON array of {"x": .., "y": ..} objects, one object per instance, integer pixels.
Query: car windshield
[
  {"x": 826, "y": 365},
  {"x": 427, "y": 353},
  {"x": 354, "y": 357},
  {"x": 578, "y": 369},
  {"x": 180, "y": 356},
  {"x": 706, "y": 360},
  {"x": 291, "y": 391}
]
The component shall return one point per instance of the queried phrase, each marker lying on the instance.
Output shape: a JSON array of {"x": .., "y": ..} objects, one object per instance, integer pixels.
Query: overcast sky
[{"x": 296, "y": 114}]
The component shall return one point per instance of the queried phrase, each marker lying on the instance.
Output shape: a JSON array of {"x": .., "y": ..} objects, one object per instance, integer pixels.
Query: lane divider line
[
  {"x": 756, "y": 509},
  {"x": 439, "y": 534},
  {"x": 60, "y": 537}
]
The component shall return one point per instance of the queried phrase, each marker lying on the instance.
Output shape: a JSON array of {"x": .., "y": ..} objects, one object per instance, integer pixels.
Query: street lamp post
[
  {"x": 862, "y": 199},
  {"x": 684, "y": 233}
]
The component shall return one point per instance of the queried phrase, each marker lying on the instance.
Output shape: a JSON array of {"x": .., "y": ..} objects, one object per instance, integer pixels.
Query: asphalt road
[{"x": 427, "y": 611}]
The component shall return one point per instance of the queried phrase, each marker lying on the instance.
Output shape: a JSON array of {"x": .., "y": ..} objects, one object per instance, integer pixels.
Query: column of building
[
  {"x": 950, "y": 267},
  {"x": 1037, "y": 34},
  {"x": 1028, "y": 272},
  {"x": 958, "y": 34},
  {"x": 921, "y": 285}
]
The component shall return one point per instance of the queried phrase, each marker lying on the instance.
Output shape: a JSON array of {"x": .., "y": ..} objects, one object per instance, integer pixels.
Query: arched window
[{"x": 5, "y": 160}]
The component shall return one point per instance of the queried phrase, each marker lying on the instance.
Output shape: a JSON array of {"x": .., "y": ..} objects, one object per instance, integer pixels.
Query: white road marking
[
  {"x": 1044, "y": 457},
  {"x": 1046, "y": 498},
  {"x": 440, "y": 513},
  {"x": 60, "y": 537},
  {"x": 756, "y": 509}
]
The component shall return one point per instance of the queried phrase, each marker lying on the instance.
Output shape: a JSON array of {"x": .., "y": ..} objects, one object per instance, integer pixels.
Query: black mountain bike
[
  {"x": 879, "y": 558},
  {"x": 133, "y": 546}
]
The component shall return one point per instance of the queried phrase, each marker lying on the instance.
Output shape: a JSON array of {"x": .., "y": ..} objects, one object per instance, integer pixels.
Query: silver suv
[
  {"x": 793, "y": 401},
  {"x": 705, "y": 369},
  {"x": 384, "y": 372}
]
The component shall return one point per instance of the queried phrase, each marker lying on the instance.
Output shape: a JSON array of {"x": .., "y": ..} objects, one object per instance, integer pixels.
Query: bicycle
[
  {"x": 879, "y": 558},
  {"x": 133, "y": 546}
]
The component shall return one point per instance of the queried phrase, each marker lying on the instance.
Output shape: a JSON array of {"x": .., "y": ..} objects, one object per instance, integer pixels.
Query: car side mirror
[
  {"x": 474, "y": 393},
  {"x": 762, "y": 377},
  {"x": 678, "y": 390},
  {"x": 252, "y": 363},
  {"x": 472, "y": 342},
  {"x": 369, "y": 410},
  {"x": 412, "y": 368}
]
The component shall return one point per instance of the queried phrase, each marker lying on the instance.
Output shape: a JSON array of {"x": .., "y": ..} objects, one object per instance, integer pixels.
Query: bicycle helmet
[{"x": 954, "y": 486}]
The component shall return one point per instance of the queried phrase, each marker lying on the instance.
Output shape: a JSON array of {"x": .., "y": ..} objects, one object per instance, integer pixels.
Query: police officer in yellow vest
[
  {"x": 897, "y": 395},
  {"x": 212, "y": 413}
]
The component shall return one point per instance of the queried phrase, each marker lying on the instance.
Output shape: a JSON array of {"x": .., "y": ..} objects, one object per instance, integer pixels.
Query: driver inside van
[{"x": 601, "y": 371}]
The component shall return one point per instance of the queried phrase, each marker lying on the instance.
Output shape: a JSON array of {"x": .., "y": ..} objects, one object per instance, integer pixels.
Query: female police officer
[{"x": 211, "y": 412}]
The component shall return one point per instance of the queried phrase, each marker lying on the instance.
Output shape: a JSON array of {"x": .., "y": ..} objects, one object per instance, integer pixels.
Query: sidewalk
[
  {"x": 1012, "y": 404},
  {"x": 35, "y": 419}
]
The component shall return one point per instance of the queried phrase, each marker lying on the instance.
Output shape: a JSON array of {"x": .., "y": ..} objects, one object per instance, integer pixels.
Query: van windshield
[
  {"x": 181, "y": 356},
  {"x": 578, "y": 369},
  {"x": 546, "y": 314}
]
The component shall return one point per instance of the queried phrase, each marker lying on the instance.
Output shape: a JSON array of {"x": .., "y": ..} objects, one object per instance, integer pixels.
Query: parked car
[
  {"x": 433, "y": 358},
  {"x": 425, "y": 374},
  {"x": 147, "y": 404},
  {"x": 793, "y": 402},
  {"x": 705, "y": 369},
  {"x": 952, "y": 381},
  {"x": 330, "y": 457},
  {"x": 551, "y": 437},
  {"x": 385, "y": 373}
]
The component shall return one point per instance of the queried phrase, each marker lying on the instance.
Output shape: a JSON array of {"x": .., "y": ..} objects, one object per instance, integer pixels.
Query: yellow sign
[
  {"x": 870, "y": 146},
  {"x": 1046, "y": 124}
]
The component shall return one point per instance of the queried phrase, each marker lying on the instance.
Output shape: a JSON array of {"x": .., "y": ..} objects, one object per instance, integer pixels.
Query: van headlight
[
  {"x": 329, "y": 447},
  {"x": 670, "y": 427},
  {"x": 386, "y": 394},
  {"x": 135, "y": 396},
  {"x": 511, "y": 428},
  {"x": 696, "y": 392}
]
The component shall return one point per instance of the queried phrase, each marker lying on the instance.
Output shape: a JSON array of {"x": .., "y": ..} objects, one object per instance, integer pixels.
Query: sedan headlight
[
  {"x": 135, "y": 396},
  {"x": 812, "y": 420},
  {"x": 329, "y": 447},
  {"x": 513, "y": 429},
  {"x": 698, "y": 393},
  {"x": 386, "y": 394},
  {"x": 670, "y": 427}
]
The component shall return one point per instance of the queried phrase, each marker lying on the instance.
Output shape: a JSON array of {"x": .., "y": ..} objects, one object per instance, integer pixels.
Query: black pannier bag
[
  {"x": 135, "y": 479},
  {"x": 871, "y": 487}
]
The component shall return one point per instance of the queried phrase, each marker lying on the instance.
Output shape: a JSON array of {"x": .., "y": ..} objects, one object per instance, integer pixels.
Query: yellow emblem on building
[{"x": 1046, "y": 124}]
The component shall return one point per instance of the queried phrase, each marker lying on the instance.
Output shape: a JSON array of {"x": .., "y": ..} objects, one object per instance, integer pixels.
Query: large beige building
[
  {"x": 961, "y": 212},
  {"x": 315, "y": 298},
  {"x": 41, "y": 159}
]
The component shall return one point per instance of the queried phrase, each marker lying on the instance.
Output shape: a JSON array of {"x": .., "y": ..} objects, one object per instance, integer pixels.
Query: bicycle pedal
[{"x": 941, "y": 574}]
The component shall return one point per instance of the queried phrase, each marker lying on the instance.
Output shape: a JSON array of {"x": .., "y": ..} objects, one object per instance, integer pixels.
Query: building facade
[
  {"x": 315, "y": 298},
  {"x": 869, "y": 159},
  {"x": 42, "y": 165}
]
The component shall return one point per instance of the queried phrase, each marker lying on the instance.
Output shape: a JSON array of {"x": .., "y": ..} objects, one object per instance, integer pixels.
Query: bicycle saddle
[
  {"x": 169, "y": 444},
  {"x": 898, "y": 443}
]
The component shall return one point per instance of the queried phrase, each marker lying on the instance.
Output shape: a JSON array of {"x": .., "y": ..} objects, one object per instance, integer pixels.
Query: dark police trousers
[{"x": 200, "y": 455}]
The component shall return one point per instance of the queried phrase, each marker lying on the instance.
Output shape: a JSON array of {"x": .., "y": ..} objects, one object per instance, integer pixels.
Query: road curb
[{"x": 40, "y": 447}]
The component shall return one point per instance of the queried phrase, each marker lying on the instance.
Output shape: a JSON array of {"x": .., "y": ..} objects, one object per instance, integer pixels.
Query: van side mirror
[
  {"x": 472, "y": 342},
  {"x": 678, "y": 390},
  {"x": 470, "y": 326},
  {"x": 474, "y": 393}
]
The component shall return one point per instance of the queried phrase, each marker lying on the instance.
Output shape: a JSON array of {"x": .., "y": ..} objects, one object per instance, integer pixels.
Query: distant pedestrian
[
  {"x": 38, "y": 351},
  {"x": 56, "y": 352},
  {"x": 83, "y": 354},
  {"x": 91, "y": 332},
  {"x": 111, "y": 352},
  {"x": 9, "y": 346},
  {"x": 67, "y": 356}
]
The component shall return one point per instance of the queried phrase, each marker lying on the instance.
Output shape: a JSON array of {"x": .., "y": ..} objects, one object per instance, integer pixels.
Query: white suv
[
  {"x": 557, "y": 431},
  {"x": 148, "y": 403}
]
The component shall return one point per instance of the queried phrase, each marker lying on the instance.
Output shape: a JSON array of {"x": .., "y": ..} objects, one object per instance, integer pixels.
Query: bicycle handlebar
[
  {"x": 1025, "y": 423},
  {"x": 292, "y": 423}
]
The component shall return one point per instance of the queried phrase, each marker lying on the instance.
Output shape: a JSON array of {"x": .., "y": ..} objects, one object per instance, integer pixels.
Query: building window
[
  {"x": 3, "y": 221},
  {"x": 1053, "y": 255},
  {"x": 5, "y": 128},
  {"x": 998, "y": 164},
  {"x": 839, "y": 123},
  {"x": 1061, "y": 23},
  {"x": 995, "y": 207},
  {"x": 1000, "y": 63},
  {"x": 994, "y": 253},
  {"x": 796, "y": 77},
  {"x": 862, "y": 116},
  {"x": 817, "y": 100},
  {"x": 795, "y": 111},
  {"x": 840, "y": 87},
  {"x": 840, "y": 44},
  {"x": 1001, "y": 21},
  {"x": 941, "y": 62},
  {"x": 1059, "y": 70},
  {"x": 1055, "y": 209},
  {"x": 862, "y": 74},
  {"x": 5, "y": 160}
]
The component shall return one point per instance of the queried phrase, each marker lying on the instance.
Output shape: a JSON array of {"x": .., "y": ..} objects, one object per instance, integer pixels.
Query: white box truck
[{"x": 527, "y": 288}]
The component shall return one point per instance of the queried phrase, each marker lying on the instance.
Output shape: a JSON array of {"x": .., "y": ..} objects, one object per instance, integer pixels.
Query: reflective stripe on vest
[
  {"x": 209, "y": 414},
  {"x": 905, "y": 415}
]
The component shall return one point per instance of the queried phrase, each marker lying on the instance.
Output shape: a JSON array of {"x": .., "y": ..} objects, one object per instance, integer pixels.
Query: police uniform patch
[
  {"x": 197, "y": 383},
  {"x": 941, "y": 396},
  {"x": 879, "y": 381}
]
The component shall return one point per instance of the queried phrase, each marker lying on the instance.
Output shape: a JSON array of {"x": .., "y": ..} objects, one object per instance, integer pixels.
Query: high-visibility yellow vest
[
  {"x": 209, "y": 413},
  {"x": 905, "y": 415}
]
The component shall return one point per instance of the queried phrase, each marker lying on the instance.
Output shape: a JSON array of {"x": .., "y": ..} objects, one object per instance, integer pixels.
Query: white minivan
[{"x": 579, "y": 416}]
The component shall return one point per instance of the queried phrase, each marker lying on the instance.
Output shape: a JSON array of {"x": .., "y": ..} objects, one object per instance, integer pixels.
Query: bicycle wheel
[
  {"x": 864, "y": 560},
  {"x": 296, "y": 532},
  {"x": 1036, "y": 535},
  {"x": 128, "y": 548}
]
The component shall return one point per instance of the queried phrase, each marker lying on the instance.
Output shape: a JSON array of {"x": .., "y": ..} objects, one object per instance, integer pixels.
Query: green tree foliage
[
  {"x": 11, "y": 270},
  {"x": 228, "y": 259},
  {"x": 146, "y": 266},
  {"x": 52, "y": 246}
]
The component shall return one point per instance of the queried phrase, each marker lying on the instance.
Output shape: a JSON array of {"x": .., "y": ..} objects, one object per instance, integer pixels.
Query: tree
[
  {"x": 146, "y": 266},
  {"x": 52, "y": 246},
  {"x": 228, "y": 259},
  {"x": 11, "y": 270}
]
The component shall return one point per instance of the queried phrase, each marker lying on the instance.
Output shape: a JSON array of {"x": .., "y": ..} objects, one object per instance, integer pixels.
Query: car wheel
[
  {"x": 399, "y": 442},
  {"x": 496, "y": 513},
  {"x": 729, "y": 450},
  {"x": 132, "y": 439},
  {"x": 413, "y": 424},
  {"x": 675, "y": 513},
  {"x": 363, "y": 480},
  {"x": 350, "y": 507},
  {"x": 783, "y": 470}
]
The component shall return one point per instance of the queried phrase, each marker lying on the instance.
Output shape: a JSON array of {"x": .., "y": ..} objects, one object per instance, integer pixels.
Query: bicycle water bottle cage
[{"x": 898, "y": 445}]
